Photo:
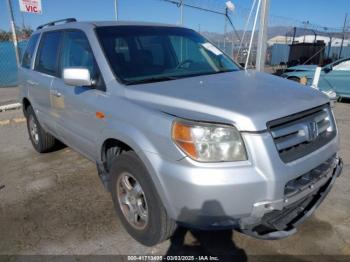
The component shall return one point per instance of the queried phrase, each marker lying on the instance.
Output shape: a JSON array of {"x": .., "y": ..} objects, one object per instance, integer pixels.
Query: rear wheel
[
  {"x": 41, "y": 140},
  {"x": 136, "y": 201}
]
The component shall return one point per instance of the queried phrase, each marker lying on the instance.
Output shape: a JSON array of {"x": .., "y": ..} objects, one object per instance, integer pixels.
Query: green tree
[{"x": 5, "y": 36}]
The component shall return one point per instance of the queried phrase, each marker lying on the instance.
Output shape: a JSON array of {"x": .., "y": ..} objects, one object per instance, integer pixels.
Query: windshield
[{"x": 143, "y": 54}]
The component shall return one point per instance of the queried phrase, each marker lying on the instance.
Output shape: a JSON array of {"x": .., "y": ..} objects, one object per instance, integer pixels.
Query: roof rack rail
[{"x": 67, "y": 20}]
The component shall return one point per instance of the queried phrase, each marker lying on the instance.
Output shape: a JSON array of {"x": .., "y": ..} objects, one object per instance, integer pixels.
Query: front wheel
[
  {"x": 136, "y": 202},
  {"x": 41, "y": 140}
]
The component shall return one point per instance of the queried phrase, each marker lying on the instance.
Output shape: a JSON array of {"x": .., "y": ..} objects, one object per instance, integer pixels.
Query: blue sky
[{"x": 283, "y": 12}]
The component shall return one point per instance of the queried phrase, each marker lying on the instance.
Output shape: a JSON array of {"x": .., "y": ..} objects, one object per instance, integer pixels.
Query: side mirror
[
  {"x": 327, "y": 69},
  {"x": 77, "y": 77}
]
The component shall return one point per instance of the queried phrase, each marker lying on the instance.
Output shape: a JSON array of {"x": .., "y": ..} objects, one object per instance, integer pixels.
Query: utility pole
[
  {"x": 116, "y": 10},
  {"x": 342, "y": 41},
  {"x": 13, "y": 29},
  {"x": 225, "y": 29},
  {"x": 262, "y": 37}
]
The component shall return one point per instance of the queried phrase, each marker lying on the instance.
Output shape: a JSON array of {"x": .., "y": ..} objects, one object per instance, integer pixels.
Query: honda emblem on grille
[{"x": 313, "y": 131}]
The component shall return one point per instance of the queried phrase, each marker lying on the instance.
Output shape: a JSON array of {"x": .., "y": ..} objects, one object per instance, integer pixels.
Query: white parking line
[
  {"x": 10, "y": 107},
  {"x": 17, "y": 120},
  {"x": 4, "y": 122}
]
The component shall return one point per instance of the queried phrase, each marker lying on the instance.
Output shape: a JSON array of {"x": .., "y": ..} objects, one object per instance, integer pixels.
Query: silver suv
[{"x": 180, "y": 134}]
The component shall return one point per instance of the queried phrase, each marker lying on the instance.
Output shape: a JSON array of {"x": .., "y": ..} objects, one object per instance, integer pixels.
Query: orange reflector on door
[{"x": 100, "y": 115}]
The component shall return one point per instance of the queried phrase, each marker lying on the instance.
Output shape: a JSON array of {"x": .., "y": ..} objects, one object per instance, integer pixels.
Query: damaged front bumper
[{"x": 279, "y": 219}]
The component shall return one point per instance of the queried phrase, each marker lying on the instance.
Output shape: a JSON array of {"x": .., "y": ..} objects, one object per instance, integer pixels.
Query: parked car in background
[
  {"x": 179, "y": 132},
  {"x": 334, "y": 76}
]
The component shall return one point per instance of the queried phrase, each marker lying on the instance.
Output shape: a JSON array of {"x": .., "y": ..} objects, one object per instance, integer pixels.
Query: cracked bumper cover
[{"x": 279, "y": 219}]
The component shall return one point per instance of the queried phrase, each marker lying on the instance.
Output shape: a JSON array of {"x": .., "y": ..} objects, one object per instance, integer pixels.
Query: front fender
[{"x": 150, "y": 153}]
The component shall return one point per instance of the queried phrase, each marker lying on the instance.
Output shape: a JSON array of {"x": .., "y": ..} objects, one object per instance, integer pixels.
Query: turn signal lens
[
  {"x": 209, "y": 142},
  {"x": 183, "y": 138},
  {"x": 303, "y": 80}
]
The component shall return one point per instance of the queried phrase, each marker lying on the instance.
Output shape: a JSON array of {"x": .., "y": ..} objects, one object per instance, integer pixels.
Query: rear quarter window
[
  {"x": 30, "y": 49},
  {"x": 47, "y": 57}
]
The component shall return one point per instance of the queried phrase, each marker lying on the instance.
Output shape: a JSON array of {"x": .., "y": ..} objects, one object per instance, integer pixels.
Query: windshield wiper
[
  {"x": 168, "y": 78},
  {"x": 151, "y": 80}
]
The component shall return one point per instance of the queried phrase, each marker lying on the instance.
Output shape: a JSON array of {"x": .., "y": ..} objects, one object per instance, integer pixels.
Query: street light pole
[
  {"x": 13, "y": 29},
  {"x": 230, "y": 7},
  {"x": 116, "y": 10},
  {"x": 182, "y": 12}
]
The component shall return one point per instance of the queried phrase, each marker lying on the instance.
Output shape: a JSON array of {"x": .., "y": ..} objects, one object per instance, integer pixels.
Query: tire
[
  {"x": 153, "y": 226},
  {"x": 41, "y": 140}
]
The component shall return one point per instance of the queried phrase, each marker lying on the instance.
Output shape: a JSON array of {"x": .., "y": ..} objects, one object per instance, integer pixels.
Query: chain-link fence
[
  {"x": 293, "y": 43},
  {"x": 8, "y": 63},
  {"x": 290, "y": 42}
]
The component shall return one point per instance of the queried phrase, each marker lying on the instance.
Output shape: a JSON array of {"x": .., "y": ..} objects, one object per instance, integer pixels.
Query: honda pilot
[{"x": 179, "y": 132}]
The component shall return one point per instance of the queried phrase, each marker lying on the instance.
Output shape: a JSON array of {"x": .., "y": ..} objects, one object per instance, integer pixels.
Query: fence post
[
  {"x": 342, "y": 40},
  {"x": 13, "y": 29},
  {"x": 116, "y": 10}
]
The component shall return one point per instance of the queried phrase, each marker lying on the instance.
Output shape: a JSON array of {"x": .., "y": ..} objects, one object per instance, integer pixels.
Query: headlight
[
  {"x": 331, "y": 94},
  {"x": 209, "y": 142},
  {"x": 303, "y": 80}
]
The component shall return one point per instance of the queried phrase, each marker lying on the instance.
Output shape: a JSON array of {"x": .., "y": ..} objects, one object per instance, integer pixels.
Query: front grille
[{"x": 298, "y": 135}]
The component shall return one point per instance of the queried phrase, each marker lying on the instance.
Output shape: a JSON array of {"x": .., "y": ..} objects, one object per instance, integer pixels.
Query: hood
[
  {"x": 247, "y": 99},
  {"x": 302, "y": 68}
]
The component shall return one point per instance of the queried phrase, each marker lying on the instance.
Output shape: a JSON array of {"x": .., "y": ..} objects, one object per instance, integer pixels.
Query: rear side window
[
  {"x": 47, "y": 58},
  {"x": 28, "y": 54}
]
